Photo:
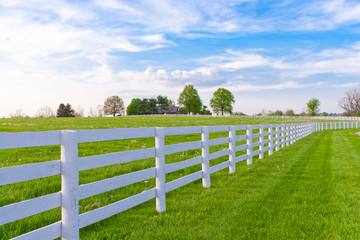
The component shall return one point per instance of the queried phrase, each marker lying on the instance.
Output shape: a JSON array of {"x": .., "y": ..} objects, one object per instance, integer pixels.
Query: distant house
[{"x": 171, "y": 110}]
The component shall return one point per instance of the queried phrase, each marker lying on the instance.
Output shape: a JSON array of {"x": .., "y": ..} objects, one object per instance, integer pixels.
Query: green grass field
[
  {"x": 44, "y": 124},
  {"x": 308, "y": 190}
]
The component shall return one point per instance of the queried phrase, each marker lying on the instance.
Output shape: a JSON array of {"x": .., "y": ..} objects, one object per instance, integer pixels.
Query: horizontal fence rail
[
  {"x": 341, "y": 118},
  {"x": 253, "y": 140}
]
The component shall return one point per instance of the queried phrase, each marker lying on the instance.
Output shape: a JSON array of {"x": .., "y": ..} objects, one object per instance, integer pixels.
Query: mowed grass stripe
[
  {"x": 346, "y": 172},
  {"x": 304, "y": 191}
]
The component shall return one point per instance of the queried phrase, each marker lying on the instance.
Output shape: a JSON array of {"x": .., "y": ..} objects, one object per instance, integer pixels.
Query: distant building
[{"x": 171, "y": 110}]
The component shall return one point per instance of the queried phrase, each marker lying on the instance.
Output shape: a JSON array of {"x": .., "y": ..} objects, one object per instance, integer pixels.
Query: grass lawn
[
  {"x": 44, "y": 124},
  {"x": 308, "y": 190}
]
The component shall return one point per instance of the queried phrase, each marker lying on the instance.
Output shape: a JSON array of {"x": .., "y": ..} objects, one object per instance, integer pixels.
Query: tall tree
[
  {"x": 45, "y": 112},
  {"x": 222, "y": 101},
  {"x": 114, "y": 105},
  {"x": 163, "y": 103},
  {"x": 313, "y": 106},
  {"x": 190, "y": 99},
  {"x": 133, "y": 107},
  {"x": 65, "y": 111},
  {"x": 289, "y": 112},
  {"x": 276, "y": 113},
  {"x": 151, "y": 107},
  {"x": 350, "y": 103},
  {"x": 147, "y": 106}
]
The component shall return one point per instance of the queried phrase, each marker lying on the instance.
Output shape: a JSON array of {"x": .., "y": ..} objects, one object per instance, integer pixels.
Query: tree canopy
[
  {"x": 222, "y": 101},
  {"x": 190, "y": 100},
  {"x": 114, "y": 105},
  {"x": 149, "y": 105},
  {"x": 132, "y": 108},
  {"x": 289, "y": 112},
  {"x": 350, "y": 103},
  {"x": 163, "y": 103},
  {"x": 276, "y": 113},
  {"x": 313, "y": 106},
  {"x": 65, "y": 111}
]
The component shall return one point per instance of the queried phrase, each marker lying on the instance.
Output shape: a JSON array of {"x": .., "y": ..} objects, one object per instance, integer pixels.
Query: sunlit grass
[{"x": 228, "y": 192}]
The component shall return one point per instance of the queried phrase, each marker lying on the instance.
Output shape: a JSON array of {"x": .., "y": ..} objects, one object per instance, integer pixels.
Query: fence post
[
  {"x": 277, "y": 137},
  {"x": 261, "y": 142},
  {"x": 69, "y": 185},
  {"x": 232, "y": 134},
  {"x": 288, "y": 135},
  {"x": 271, "y": 140},
  {"x": 283, "y": 135},
  {"x": 205, "y": 157},
  {"x": 249, "y": 144},
  {"x": 160, "y": 169},
  {"x": 298, "y": 131},
  {"x": 303, "y": 130},
  {"x": 357, "y": 124}
]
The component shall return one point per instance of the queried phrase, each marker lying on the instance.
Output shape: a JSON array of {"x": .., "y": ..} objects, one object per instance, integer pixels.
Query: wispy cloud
[{"x": 48, "y": 45}]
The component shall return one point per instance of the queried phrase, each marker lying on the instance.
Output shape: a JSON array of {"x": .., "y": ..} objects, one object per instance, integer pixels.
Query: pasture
[{"x": 307, "y": 190}]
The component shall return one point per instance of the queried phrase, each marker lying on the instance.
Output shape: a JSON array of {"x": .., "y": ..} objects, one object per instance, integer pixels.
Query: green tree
[
  {"x": 133, "y": 108},
  {"x": 182, "y": 111},
  {"x": 142, "y": 108},
  {"x": 205, "y": 111},
  {"x": 65, "y": 111},
  {"x": 239, "y": 114},
  {"x": 222, "y": 101},
  {"x": 163, "y": 103},
  {"x": 114, "y": 105},
  {"x": 278, "y": 113},
  {"x": 289, "y": 112},
  {"x": 190, "y": 99},
  {"x": 147, "y": 106},
  {"x": 313, "y": 106},
  {"x": 151, "y": 106}
]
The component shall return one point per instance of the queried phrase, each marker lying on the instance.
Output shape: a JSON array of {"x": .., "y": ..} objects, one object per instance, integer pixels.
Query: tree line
[{"x": 190, "y": 102}]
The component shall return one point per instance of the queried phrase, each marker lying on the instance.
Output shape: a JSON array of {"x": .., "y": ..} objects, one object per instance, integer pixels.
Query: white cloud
[
  {"x": 335, "y": 61},
  {"x": 47, "y": 11},
  {"x": 343, "y": 11},
  {"x": 237, "y": 60},
  {"x": 347, "y": 85},
  {"x": 51, "y": 50}
]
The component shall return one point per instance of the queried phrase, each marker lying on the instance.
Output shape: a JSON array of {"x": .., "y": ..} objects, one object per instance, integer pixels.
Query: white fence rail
[
  {"x": 342, "y": 118},
  {"x": 266, "y": 138}
]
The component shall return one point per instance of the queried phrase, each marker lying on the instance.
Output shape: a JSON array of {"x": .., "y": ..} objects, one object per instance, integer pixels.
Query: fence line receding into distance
[{"x": 259, "y": 139}]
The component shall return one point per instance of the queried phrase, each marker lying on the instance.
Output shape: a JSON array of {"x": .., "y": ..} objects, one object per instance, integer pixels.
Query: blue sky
[{"x": 270, "y": 54}]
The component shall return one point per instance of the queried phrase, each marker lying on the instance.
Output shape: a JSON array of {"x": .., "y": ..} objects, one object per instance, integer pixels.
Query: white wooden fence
[
  {"x": 338, "y": 118},
  {"x": 268, "y": 138}
]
